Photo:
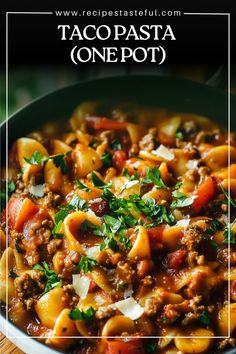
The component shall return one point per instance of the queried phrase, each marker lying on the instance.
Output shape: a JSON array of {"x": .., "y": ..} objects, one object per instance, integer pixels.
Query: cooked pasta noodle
[{"x": 118, "y": 230}]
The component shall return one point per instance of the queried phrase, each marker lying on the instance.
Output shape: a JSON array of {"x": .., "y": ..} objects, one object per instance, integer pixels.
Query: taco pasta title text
[{"x": 116, "y": 33}]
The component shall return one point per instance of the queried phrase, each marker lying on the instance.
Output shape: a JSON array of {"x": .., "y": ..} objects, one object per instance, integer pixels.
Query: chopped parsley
[
  {"x": 97, "y": 182},
  {"x": 151, "y": 347},
  {"x": 81, "y": 186},
  {"x": 229, "y": 235},
  {"x": 5, "y": 193},
  {"x": 154, "y": 176},
  {"x": 53, "y": 280},
  {"x": 228, "y": 198},
  {"x": 215, "y": 225},
  {"x": 78, "y": 315},
  {"x": 37, "y": 159},
  {"x": 13, "y": 274},
  {"x": 86, "y": 264},
  {"x": 76, "y": 203},
  {"x": 106, "y": 158},
  {"x": 179, "y": 135},
  {"x": 177, "y": 185},
  {"x": 134, "y": 177},
  {"x": 116, "y": 145},
  {"x": 181, "y": 200},
  {"x": 135, "y": 205},
  {"x": 59, "y": 160},
  {"x": 17, "y": 247},
  {"x": 204, "y": 318}
]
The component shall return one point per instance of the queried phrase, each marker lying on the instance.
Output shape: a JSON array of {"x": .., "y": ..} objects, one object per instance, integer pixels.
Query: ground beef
[
  {"x": 70, "y": 294},
  {"x": 193, "y": 259},
  {"x": 71, "y": 260},
  {"x": 215, "y": 207},
  {"x": 172, "y": 312},
  {"x": 104, "y": 312},
  {"x": 51, "y": 200},
  {"x": 193, "y": 237},
  {"x": 20, "y": 186},
  {"x": 153, "y": 305},
  {"x": 53, "y": 245},
  {"x": 36, "y": 236},
  {"x": 125, "y": 272},
  {"x": 149, "y": 141},
  {"x": 226, "y": 344},
  {"x": 28, "y": 286}
]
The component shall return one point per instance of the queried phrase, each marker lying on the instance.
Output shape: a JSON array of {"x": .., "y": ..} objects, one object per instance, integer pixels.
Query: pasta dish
[{"x": 119, "y": 227}]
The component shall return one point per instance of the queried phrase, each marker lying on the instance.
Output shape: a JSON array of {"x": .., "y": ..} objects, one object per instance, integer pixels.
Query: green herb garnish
[
  {"x": 78, "y": 315},
  {"x": 181, "y": 200},
  {"x": 81, "y": 186},
  {"x": 154, "y": 176},
  {"x": 86, "y": 264},
  {"x": 215, "y": 225},
  {"x": 179, "y": 135},
  {"x": 151, "y": 347},
  {"x": 76, "y": 203},
  {"x": 97, "y": 182},
  {"x": 228, "y": 234},
  {"x": 13, "y": 274},
  {"x": 17, "y": 247},
  {"x": 106, "y": 158},
  {"x": 59, "y": 160},
  {"x": 204, "y": 318},
  {"x": 53, "y": 280},
  {"x": 227, "y": 197},
  {"x": 116, "y": 145}
]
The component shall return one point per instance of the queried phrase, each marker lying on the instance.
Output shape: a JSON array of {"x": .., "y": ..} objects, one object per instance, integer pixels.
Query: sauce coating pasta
[{"x": 119, "y": 229}]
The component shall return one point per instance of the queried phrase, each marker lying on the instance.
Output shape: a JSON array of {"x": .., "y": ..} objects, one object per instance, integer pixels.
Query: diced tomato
[
  {"x": 134, "y": 346},
  {"x": 19, "y": 211},
  {"x": 119, "y": 158},
  {"x": 103, "y": 123},
  {"x": 176, "y": 259},
  {"x": 204, "y": 193},
  {"x": 155, "y": 233},
  {"x": 100, "y": 208}
]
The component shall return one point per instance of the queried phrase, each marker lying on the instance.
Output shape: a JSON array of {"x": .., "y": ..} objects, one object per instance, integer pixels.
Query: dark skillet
[{"x": 167, "y": 92}]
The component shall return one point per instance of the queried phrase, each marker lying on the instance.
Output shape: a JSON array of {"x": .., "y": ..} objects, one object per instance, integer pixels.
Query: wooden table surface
[{"x": 7, "y": 347}]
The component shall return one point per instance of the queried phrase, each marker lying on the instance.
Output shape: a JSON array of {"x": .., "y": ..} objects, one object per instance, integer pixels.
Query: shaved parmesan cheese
[
  {"x": 191, "y": 164},
  {"x": 92, "y": 252},
  {"x": 37, "y": 191},
  {"x": 183, "y": 222},
  {"x": 81, "y": 284},
  {"x": 130, "y": 308},
  {"x": 164, "y": 153},
  {"x": 130, "y": 184}
]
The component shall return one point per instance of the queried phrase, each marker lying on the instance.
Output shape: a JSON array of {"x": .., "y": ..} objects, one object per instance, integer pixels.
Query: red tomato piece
[
  {"x": 204, "y": 193},
  {"x": 119, "y": 158},
  {"x": 176, "y": 259},
  {"x": 103, "y": 123},
  {"x": 19, "y": 211},
  {"x": 155, "y": 234}
]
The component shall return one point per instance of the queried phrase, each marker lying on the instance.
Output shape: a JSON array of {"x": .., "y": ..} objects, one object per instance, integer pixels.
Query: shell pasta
[{"x": 117, "y": 228}]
